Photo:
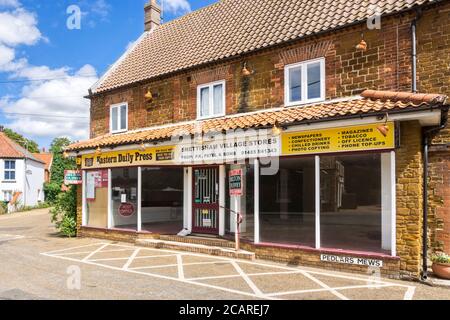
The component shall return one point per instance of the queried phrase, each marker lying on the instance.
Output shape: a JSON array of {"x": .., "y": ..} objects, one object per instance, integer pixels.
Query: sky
[{"x": 48, "y": 60}]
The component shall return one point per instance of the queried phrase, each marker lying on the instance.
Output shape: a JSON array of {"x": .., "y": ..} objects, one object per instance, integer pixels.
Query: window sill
[
  {"x": 118, "y": 132},
  {"x": 211, "y": 117},
  {"x": 9, "y": 181},
  {"x": 303, "y": 103}
]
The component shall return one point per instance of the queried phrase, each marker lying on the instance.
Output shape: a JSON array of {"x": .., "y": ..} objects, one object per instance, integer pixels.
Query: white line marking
[
  {"x": 86, "y": 252},
  {"x": 325, "y": 289},
  {"x": 409, "y": 294},
  {"x": 136, "y": 258},
  {"x": 131, "y": 259},
  {"x": 323, "y": 285},
  {"x": 180, "y": 267},
  {"x": 174, "y": 265},
  {"x": 79, "y": 247},
  {"x": 161, "y": 277},
  {"x": 246, "y": 278},
  {"x": 10, "y": 237},
  {"x": 249, "y": 274},
  {"x": 94, "y": 252}
]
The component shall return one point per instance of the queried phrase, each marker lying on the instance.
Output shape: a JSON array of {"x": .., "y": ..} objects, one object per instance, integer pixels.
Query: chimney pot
[{"x": 152, "y": 15}]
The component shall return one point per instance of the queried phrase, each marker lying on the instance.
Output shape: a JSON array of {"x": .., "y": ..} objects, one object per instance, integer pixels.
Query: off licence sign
[
  {"x": 235, "y": 178},
  {"x": 72, "y": 177}
]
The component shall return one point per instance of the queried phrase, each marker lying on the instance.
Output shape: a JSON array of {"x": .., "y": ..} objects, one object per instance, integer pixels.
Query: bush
[
  {"x": 51, "y": 190},
  {"x": 3, "y": 208},
  {"x": 64, "y": 213}
]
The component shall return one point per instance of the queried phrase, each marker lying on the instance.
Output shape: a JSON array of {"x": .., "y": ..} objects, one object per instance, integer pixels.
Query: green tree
[
  {"x": 28, "y": 144},
  {"x": 59, "y": 162}
]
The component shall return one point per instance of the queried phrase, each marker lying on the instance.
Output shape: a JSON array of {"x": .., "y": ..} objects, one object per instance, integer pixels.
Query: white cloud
[
  {"x": 7, "y": 55},
  {"x": 61, "y": 98},
  {"x": 19, "y": 27},
  {"x": 177, "y": 6},
  {"x": 9, "y": 3}
]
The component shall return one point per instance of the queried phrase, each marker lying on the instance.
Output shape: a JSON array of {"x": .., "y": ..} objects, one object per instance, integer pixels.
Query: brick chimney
[
  {"x": 152, "y": 15},
  {"x": 2, "y": 128}
]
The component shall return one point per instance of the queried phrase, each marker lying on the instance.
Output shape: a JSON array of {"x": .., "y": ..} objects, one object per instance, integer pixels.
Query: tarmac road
[{"x": 36, "y": 263}]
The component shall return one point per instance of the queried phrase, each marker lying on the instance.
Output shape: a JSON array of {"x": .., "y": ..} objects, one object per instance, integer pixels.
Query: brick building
[{"x": 324, "y": 114}]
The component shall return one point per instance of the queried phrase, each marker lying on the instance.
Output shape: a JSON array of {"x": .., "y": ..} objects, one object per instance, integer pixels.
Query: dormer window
[
  {"x": 211, "y": 100},
  {"x": 305, "y": 82},
  {"x": 118, "y": 118}
]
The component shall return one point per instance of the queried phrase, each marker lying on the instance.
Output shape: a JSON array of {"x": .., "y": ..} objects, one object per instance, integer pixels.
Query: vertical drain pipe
[
  {"x": 414, "y": 55},
  {"x": 425, "y": 207}
]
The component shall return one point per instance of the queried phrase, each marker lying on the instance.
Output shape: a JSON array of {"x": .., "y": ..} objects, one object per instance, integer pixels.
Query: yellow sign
[
  {"x": 126, "y": 158},
  {"x": 345, "y": 139}
]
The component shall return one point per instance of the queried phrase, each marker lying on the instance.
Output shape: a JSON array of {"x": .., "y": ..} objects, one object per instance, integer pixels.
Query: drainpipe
[
  {"x": 414, "y": 55},
  {"x": 427, "y": 133}
]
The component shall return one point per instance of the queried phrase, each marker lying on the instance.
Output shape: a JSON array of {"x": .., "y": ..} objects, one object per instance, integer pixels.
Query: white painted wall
[{"x": 31, "y": 186}]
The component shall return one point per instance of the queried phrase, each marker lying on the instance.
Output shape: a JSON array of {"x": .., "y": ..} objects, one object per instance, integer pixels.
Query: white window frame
[
  {"x": 211, "y": 100},
  {"x": 304, "y": 65},
  {"x": 9, "y": 170},
  {"x": 118, "y": 106},
  {"x": 8, "y": 195}
]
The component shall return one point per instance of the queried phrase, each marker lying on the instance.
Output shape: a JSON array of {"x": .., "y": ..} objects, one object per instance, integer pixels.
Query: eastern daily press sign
[
  {"x": 352, "y": 260},
  {"x": 72, "y": 177}
]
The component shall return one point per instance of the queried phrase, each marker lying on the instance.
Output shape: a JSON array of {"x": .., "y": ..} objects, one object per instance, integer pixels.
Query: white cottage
[{"x": 22, "y": 175}]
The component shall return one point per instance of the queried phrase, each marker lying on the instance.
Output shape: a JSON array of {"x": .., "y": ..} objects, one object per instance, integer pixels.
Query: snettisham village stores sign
[{"x": 220, "y": 150}]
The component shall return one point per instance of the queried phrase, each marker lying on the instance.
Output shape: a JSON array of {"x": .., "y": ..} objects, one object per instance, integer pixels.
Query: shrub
[
  {"x": 3, "y": 208},
  {"x": 441, "y": 258},
  {"x": 64, "y": 213},
  {"x": 51, "y": 191}
]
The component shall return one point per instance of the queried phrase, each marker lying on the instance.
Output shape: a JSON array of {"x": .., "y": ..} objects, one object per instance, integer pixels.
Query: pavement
[{"x": 37, "y": 263}]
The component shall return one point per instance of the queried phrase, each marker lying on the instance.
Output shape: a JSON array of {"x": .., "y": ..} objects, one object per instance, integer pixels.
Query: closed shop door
[{"x": 206, "y": 200}]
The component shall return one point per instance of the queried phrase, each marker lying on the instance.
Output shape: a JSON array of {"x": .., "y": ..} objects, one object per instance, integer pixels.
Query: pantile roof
[
  {"x": 230, "y": 28},
  {"x": 370, "y": 102}
]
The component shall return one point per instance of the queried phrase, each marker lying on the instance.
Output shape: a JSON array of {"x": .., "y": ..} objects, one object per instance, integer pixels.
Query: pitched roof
[
  {"x": 46, "y": 158},
  {"x": 369, "y": 103},
  {"x": 11, "y": 150},
  {"x": 229, "y": 28}
]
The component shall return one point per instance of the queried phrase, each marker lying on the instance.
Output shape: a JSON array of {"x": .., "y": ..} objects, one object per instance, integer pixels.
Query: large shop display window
[
  {"x": 162, "y": 200},
  {"x": 124, "y": 194},
  {"x": 351, "y": 202},
  {"x": 287, "y": 206},
  {"x": 96, "y": 195}
]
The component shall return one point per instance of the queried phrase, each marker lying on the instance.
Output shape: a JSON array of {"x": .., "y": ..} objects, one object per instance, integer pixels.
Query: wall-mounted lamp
[
  {"x": 65, "y": 155},
  {"x": 142, "y": 147},
  {"x": 245, "y": 71},
  {"x": 362, "y": 45},
  {"x": 276, "y": 130},
  {"x": 149, "y": 96},
  {"x": 384, "y": 129},
  {"x": 98, "y": 151}
]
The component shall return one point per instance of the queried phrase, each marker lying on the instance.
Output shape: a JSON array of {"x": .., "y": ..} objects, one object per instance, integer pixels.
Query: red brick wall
[{"x": 385, "y": 65}]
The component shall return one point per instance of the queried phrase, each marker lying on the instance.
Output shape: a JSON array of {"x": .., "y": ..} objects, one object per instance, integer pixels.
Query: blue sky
[{"x": 45, "y": 68}]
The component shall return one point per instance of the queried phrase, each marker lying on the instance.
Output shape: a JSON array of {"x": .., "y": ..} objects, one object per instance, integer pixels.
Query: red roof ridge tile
[{"x": 417, "y": 98}]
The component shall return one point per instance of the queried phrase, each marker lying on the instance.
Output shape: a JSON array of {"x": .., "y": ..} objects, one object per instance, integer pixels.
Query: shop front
[{"x": 315, "y": 189}]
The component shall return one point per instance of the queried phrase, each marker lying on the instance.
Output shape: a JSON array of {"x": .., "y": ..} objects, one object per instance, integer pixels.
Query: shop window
[
  {"x": 305, "y": 82},
  {"x": 287, "y": 205},
  {"x": 246, "y": 203},
  {"x": 96, "y": 195},
  {"x": 351, "y": 202},
  {"x": 10, "y": 170},
  {"x": 124, "y": 198},
  {"x": 162, "y": 200},
  {"x": 119, "y": 118},
  {"x": 211, "y": 100}
]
